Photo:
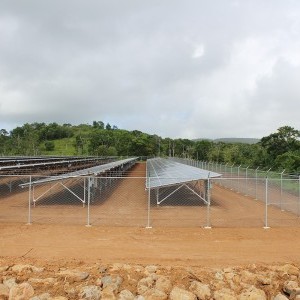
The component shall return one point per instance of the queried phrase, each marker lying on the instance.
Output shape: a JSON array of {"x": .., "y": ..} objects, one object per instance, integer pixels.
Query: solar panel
[
  {"x": 45, "y": 163},
  {"x": 97, "y": 170},
  {"x": 163, "y": 172}
]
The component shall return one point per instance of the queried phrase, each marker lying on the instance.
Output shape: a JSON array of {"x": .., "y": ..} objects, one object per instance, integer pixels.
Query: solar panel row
[
  {"x": 97, "y": 170},
  {"x": 165, "y": 172}
]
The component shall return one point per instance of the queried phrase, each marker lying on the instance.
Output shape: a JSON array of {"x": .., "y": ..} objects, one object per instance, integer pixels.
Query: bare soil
[{"x": 177, "y": 237}]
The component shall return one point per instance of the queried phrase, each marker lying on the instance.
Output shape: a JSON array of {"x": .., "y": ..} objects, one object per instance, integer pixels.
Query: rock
[
  {"x": 253, "y": 293},
  {"x": 224, "y": 294},
  {"x": 144, "y": 285},
  {"x": 219, "y": 275},
  {"x": 45, "y": 281},
  {"x": 150, "y": 269},
  {"x": 45, "y": 296},
  {"x": 102, "y": 269},
  {"x": 90, "y": 292},
  {"x": 139, "y": 269},
  {"x": 37, "y": 269},
  {"x": 21, "y": 268},
  {"x": 73, "y": 274},
  {"x": 295, "y": 294},
  {"x": 10, "y": 282},
  {"x": 116, "y": 267},
  {"x": 264, "y": 280},
  {"x": 125, "y": 295},
  {"x": 248, "y": 277},
  {"x": 21, "y": 291},
  {"x": 202, "y": 291},
  {"x": 290, "y": 269},
  {"x": 108, "y": 293},
  {"x": 155, "y": 294},
  {"x": 4, "y": 291},
  {"x": 229, "y": 275},
  {"x": 26, "y": 268},
  {"x": 181, "y": 294},
  {"x": 3, "y": 268},
  {"x": 113, "y": 282},
  {"x": 59, "y": 298},
  {"x": 70, "y": 290},
  {"x": 290, "y": 286},
  {"x": 280, "y": 297},
  {"x": 163, "y": 284}
]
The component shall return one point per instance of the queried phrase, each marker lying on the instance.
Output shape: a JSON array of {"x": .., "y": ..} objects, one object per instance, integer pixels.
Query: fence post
[
  {"x": 281, "y": 186},
  {"x": 29, "y": 202},
  {"x": 84, "y": 190},
  {"x": 256, "y": 170},
  {"x": 266, "y": 205},
  {"x": 88, "y": 202},
  {"x": 247, "y": 181},
  {"x": 207, "y": 189},
  {"x": 299, "y": 197},
  {"x": 238, "y": 175},
  {"x": 225, "y": 170},
  {"x": 149, "y": 202}
]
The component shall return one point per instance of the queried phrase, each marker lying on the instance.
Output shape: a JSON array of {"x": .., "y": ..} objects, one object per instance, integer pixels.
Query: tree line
[{"x": 279, "y": 150}]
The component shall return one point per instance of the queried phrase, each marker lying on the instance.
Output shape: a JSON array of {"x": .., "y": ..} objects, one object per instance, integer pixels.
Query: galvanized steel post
[
  {"x": 207, "y": 196},
  {"x": 281, "y": 187},
  {"x": 29, "y": 202},
  {"x": 256, "y": 170},
  {"x": 88, "y": 201},
  {"x": 266, "y": 205},
  {"x": 299, "y": 197},
  {"x": 149, "y": 206}
]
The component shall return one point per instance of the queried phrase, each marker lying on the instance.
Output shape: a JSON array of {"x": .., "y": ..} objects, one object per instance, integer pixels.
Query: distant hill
[
  {"x": 238, "y": 140},
  {"x": 233, "y": 140}
]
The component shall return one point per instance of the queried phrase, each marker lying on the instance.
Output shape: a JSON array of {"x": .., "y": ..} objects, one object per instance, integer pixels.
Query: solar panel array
[
  {"x": 163, "y": 172},
  {"x": 97, "y": 170},
  {"x": 48, "y": 165}
]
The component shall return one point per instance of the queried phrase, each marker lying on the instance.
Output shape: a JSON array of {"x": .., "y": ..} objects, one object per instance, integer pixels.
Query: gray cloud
[{"x": 180, "y": 69}]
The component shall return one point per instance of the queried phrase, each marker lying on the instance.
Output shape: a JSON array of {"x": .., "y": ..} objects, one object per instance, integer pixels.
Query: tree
[
  {"x": 288, "y": 161},
  {"x": 202, "y": 149},
  {"x": 49, "y": 145},
  {"x": 98, "y": 124},
  {"x": 286, "y": 139}
]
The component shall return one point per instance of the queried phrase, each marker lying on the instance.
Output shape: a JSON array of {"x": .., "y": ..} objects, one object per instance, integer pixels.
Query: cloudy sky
[{"x": 189, "y": 69}]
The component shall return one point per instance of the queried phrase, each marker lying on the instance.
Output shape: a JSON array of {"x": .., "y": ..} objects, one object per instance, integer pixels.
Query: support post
[
  {"x": 29, "y": 202},
  {"x": 281, "y": 188},
  {"x": 266, "y": 205},
  {"x": 88, "y": 202},
  {"x": 149, "y": 206},
  {"x": 247, "y": 180},
  {"x": 207, "y": 190},
  {"x": 238, "y": 189},
  {"x": 299, "y": 197},
  {"x": 256, "y": 170},
  {"x": 84, "y": 190}
]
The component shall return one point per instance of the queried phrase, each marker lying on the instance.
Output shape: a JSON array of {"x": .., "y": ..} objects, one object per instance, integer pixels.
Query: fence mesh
[{"x": 242, "y": 197}]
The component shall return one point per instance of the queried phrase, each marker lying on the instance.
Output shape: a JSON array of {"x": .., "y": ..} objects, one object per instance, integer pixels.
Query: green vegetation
[{"x": 279, "y": 150}]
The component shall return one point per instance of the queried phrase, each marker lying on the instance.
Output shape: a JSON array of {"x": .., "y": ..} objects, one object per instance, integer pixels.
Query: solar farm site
[
  {"x": 137, "y": 221},
  {"x": 127, "y": 192}
]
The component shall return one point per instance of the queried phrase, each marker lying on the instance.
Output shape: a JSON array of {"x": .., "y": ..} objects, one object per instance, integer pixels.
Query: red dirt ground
[{"x": 237, "y": 236}]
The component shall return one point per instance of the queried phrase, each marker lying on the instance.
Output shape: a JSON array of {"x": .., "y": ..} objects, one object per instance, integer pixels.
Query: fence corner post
[{"x": 266, "y": 205}]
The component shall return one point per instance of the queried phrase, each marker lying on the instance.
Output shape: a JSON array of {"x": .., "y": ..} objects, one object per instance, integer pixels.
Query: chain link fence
[{"x": 242, "y": 197}]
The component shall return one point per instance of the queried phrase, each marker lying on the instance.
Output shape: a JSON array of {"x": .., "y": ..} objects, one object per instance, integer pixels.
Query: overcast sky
[{"x": 189, "y": 69}]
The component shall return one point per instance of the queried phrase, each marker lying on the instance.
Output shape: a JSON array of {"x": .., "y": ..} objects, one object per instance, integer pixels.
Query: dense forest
[{"x": 279, "y": 150}]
